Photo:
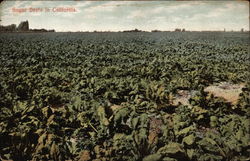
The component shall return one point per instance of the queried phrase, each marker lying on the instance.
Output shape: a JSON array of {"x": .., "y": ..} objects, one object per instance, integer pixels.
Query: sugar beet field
[{"x": 164, "y": 96}]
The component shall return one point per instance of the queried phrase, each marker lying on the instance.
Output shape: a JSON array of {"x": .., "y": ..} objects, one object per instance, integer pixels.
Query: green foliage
[{"x": 109, "y": 96}]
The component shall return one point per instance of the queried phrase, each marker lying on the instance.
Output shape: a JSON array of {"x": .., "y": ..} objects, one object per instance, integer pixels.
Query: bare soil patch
[
  {"x": 183, "y": 96},
  {"x": 230, "y": 92}
]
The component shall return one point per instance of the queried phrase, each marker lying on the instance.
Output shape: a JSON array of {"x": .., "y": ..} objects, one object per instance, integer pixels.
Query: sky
[{"x": 127, "y": 15}]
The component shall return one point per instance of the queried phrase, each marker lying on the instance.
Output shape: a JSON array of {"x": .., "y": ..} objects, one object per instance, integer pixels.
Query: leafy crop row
[{"x": 109, "y": 96}]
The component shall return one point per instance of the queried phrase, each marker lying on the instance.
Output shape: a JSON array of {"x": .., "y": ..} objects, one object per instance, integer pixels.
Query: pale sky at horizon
[{"x": 126, "y": 15}]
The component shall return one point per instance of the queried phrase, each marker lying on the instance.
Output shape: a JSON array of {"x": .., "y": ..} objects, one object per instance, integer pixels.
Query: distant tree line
[
  {"x": 135, "y": 30},
  {"x": 22, "y": 27}
]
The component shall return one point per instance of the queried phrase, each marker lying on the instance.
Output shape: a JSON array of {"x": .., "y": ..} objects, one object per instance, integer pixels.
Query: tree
[{"x": 23, "y": 26}]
